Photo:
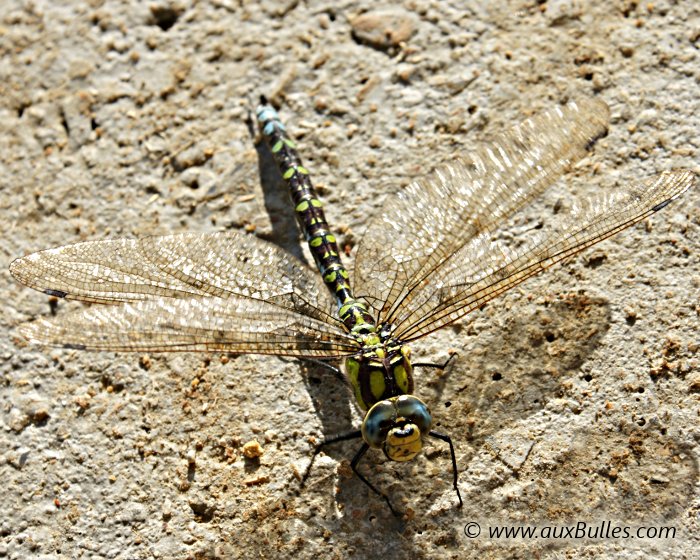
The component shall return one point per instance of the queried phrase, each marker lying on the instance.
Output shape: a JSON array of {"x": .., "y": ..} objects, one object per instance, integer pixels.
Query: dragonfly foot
[
  {"x": 357, "y": 434},
  {"x": 441, "y": 366}
]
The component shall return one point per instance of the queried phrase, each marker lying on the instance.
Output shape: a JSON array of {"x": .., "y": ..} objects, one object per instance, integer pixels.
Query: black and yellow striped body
[
  {"x": 312, "y": 221},
  {"x": 382, "y": 371},
  {"x": 382, "y": 368}
]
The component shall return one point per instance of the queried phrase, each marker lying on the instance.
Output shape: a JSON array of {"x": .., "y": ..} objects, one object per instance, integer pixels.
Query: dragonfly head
[{"x": 397, "y": 425}]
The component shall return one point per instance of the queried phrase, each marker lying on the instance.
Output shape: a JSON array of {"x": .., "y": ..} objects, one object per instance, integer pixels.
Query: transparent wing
[
  {"x": 437, "y": 215},
  {"x": 214, "y": 291},
  {"x": 234, "y": 324},
  {"x": 175, "y": 266},
  {"x": 482, "y": 269}
]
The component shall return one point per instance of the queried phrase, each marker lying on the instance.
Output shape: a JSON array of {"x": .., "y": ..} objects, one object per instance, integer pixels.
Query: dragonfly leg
[
  {"x": 448, "y": 440},
  {"x": 353, "y": 464},
  {"x": 336, "y": 371},
  {"x": 250, "y": 123},
  {"x": 436, "y": 366},
  {"x": 357, "y": 434}
]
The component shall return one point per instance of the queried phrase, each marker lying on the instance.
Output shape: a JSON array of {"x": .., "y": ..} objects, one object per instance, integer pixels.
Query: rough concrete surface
[{"x": 573, "y": 398}]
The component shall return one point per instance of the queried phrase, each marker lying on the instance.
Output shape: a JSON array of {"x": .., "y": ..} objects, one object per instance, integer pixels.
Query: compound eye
[
  {"x": 377, "y": 423},
  {"x": 415, "y": 411}
]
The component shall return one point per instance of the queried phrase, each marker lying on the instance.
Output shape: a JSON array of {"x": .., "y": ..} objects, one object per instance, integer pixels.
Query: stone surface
[{"x": 573, "y": 398}]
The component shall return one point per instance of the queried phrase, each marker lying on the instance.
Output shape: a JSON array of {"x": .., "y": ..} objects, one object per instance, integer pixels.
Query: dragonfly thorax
[
  {"x": 397, "y": 425},
  {"x": 381, "y": 370}
]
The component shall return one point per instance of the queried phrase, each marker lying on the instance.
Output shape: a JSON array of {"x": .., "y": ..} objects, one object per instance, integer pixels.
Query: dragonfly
[{"x": 429, "y": 258}]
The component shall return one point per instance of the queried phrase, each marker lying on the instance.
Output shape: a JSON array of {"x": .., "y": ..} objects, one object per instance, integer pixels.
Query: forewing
[
  {"x": 206, "y": 323},
  {"x": 436, "y": 216},
  {"x": 216, "y": 291},
  {"x": 179, "y": 266},
  {"x": 482, "y": 269}
]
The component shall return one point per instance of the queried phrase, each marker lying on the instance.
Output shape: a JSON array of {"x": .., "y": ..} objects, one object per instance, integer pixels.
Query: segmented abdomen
[{"x": 312, "y": 220}]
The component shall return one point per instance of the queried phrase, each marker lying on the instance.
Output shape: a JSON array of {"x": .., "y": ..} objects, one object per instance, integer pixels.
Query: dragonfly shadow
[
  {"x": 513, "y": 373},
  {"x": 332, "y": 401},
  {"x": 330, "y": 394},
  {"x": 630, "y": 472},
  {"x": 610, "y": 476},
  {"x": 626, "y": 473}
]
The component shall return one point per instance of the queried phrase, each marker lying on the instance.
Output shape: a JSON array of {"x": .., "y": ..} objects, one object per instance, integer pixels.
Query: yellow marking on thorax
[
  {"x": 376, "y": 383},
  {"x": 352, "y": 369},
  {"x": 401, "y": 377}
]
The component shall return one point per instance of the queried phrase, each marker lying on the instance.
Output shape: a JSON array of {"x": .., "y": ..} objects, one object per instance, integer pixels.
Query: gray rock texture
[{"x": 574, "y": 398}]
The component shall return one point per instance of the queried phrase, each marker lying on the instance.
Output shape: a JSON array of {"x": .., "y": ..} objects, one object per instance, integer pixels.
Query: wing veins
[{"x": 638, "y": 204}]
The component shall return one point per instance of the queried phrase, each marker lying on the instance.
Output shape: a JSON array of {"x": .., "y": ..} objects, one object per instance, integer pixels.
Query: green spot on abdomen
[
  {"x": 341, "y": 287},
  {"x": 303, "y": 206}
]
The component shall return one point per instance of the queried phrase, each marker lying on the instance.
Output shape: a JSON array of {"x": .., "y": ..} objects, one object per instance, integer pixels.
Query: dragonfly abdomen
[{"x": 312, "y": 221}]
